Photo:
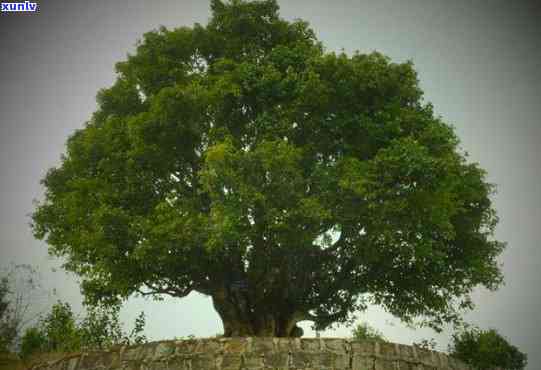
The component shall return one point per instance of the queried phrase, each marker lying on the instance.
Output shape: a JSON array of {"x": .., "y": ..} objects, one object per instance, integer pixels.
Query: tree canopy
[
  {"x": 486, "y": 350},
  {"x": 243, "y": 161}
]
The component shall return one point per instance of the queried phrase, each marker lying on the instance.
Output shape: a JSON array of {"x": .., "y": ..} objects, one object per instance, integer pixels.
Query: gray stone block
[{"x": 260, "y": 354}]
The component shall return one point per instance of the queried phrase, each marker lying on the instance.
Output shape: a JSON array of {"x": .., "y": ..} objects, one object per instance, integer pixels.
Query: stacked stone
[{"x": 260, "y": 354}]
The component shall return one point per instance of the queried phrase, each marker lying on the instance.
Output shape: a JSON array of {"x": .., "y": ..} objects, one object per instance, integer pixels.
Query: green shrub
[
  {"x": 33, "y": 341},
  {"x": 19, "y": 287},
  {"x": 8, "y": 321},
  {"x": 486, "y": 349},
  {"x": 427, "y": 344},
  {"x": 60, "y": 331},
  {"x": 366, "y": 332}
]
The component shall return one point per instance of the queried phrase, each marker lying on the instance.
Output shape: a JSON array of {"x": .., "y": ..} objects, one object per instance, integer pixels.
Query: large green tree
[{"x": 242, "y": 161}]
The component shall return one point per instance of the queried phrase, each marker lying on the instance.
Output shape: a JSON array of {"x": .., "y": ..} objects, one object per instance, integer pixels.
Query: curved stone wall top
[{"x": 259, "y": 354}]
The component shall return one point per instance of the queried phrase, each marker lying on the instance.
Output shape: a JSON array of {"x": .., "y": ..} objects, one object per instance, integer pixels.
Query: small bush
[
  {"x": 366, "y": 332},
  {"x": 60, "y": 331},
  {"x": 427, "y": 344},
  {"x": 486, "y": 349},
  {"x": 33, "y": 341}
]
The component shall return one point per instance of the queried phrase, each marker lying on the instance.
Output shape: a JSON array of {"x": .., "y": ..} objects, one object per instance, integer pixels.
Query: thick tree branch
[
  {"x": 320, "y": 320},
  {"x": 172, "y": 291}
]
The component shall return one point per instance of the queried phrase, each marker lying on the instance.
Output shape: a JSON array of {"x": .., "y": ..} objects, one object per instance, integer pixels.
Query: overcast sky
[{"x": 479, "y": 63}]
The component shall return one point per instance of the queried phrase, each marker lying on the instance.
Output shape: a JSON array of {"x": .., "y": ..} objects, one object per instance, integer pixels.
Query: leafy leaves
[
  {"x": 241, "y": 150},
  {"x": 486, "y": 349}
]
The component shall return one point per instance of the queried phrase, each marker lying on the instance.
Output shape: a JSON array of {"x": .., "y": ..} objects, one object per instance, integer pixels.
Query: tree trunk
[
  {"x": 241, "y": 320},
  {"x": 245, "y": 328}
]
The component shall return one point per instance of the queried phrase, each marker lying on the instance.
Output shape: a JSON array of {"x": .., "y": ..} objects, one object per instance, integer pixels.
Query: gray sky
[{"x": 478, "y": 62}]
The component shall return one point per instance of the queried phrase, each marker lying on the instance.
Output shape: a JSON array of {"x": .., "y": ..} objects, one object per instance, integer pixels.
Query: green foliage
[
  {"x": 61, "y": 331},
  {"x": 101, "y": 328},
  {"x": 18, "y": 303},
  {"x": 34, "y": 341},
  {"x": 188, "y": 337},
  {"x": 364, "y": 331},
  {"x": 4, "y": 290},
  {"x": 486, "y": 349},
  {"x": 427, "y": 344},
  {"x": 242, "y": 151},
  {"x": 136, "y": 335},
  {"x": 8, "y": 326}
]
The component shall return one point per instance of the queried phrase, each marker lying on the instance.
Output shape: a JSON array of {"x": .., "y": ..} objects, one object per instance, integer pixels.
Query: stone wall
[
  {"x": 10, "y": 361},
  {"x": 259, "y": 353}
]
